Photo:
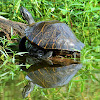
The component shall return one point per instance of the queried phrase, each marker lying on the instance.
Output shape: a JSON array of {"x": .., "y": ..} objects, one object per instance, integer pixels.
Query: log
[{"x": 7, "y": 25}]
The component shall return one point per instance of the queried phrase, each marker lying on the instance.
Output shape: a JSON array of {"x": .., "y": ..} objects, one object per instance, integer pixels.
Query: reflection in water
[{"x": 55, "y": 72}]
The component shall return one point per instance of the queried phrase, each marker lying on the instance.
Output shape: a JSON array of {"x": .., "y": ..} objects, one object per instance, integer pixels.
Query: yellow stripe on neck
[{"x": 31, "y": 24}]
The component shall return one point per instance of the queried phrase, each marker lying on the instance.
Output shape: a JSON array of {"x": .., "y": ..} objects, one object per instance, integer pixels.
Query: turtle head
[{"x": 27, "y": 15}]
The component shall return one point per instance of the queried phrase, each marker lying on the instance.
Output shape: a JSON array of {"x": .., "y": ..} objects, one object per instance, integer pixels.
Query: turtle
[{"x": 45, "y": 38}]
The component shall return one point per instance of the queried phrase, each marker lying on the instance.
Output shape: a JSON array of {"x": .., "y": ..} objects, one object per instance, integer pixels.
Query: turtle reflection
[{"x": 47, "y": 75}]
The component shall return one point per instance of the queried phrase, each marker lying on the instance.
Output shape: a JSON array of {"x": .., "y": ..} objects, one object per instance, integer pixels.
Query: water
[
  {"x": 71, "y": 91},
  {"x": 10, "y": 90},
  {"x": 50, "y": 79}
]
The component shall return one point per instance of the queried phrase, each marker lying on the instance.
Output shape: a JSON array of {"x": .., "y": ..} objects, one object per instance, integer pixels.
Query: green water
[{"x": 76, "y": 89}]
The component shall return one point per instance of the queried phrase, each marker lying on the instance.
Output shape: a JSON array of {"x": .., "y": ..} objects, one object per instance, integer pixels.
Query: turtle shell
[{"x": 53, "y": 35}]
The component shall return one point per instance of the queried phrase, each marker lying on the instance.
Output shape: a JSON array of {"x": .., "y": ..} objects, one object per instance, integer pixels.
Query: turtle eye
[{"x": 27, "y": 16}]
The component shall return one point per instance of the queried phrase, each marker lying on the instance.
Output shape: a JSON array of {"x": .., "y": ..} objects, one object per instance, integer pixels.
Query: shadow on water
[{"x": 49, "y": 73}]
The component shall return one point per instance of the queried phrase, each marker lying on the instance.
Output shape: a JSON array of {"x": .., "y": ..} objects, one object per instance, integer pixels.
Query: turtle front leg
[{"x": 22, "y": 46}]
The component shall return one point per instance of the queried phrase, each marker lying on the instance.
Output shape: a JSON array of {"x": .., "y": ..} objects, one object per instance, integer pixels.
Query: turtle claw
[
  {"x": 74, "y": 56},
  {"x": 48, "y": 54}
]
